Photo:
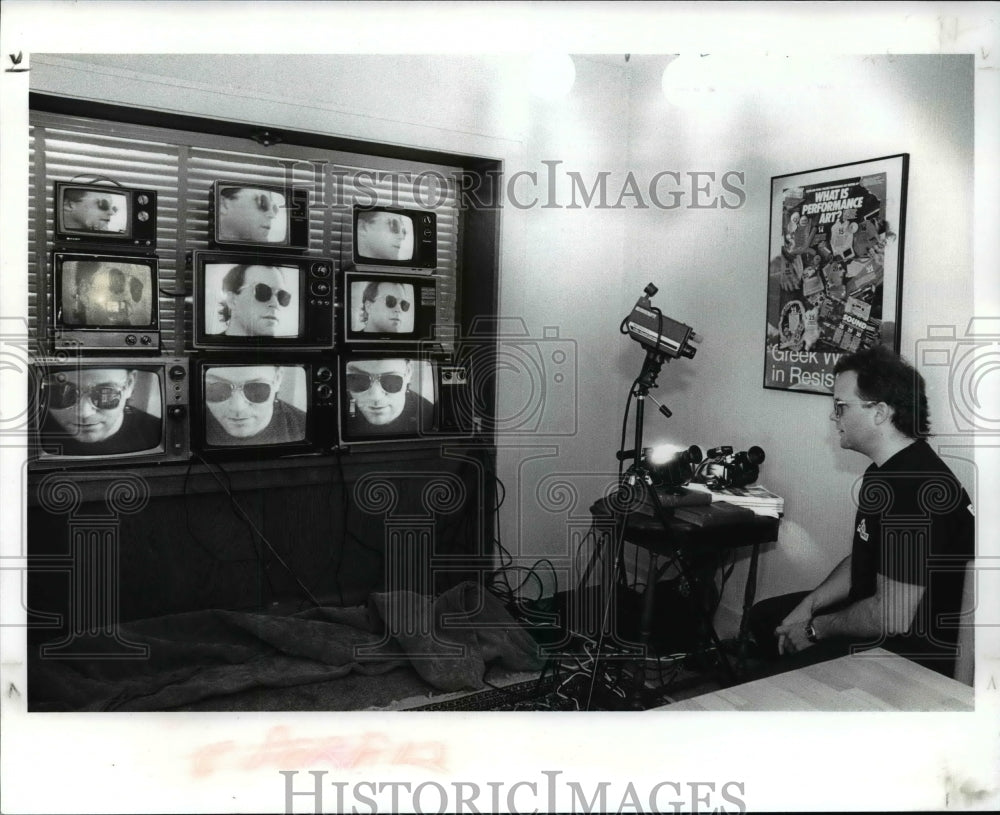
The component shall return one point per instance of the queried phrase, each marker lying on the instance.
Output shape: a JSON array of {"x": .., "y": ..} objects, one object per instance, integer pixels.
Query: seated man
[{"x": 913, "y": 535}]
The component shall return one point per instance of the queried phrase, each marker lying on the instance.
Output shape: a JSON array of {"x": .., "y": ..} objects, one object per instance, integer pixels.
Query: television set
[
  {"x": 245, "y": 214},
  {"x": 392, "y": 398},
  {"x": 394, "y": 238},
  {"x": 105, "y": 302},
  {"x": 264, "y": 406},
  {"x": 92, "y": 411},
  {"x": 262, "y": 302},
  {"x": 103, "y": 215},
  {"x": 383, "y": 309}
]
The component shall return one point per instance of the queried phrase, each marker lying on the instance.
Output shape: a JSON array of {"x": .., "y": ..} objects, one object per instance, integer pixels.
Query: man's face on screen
[
  {"x": 93, "y": 212},
  {"x": 386, "y": 312},
  {"x": 378, "y": 387},
  {"x": 248, "y": 215},
  {"x": 241, "y": 398},
  {"x": 255, "y": 309},
  {"x": 381, "y": 234},
  {"x": 90, "y": 405}
]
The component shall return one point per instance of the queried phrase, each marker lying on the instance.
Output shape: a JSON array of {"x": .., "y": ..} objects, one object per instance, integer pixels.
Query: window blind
[{"x": 182, "y": 166}]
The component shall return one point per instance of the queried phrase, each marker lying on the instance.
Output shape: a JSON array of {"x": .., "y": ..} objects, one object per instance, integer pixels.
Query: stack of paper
[{"x": 756, "y": 497}]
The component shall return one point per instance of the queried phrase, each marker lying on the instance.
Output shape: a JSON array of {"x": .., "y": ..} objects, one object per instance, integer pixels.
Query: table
[
  {"x": 674, "y": 537},
  {"x": 874, "y": 680}
]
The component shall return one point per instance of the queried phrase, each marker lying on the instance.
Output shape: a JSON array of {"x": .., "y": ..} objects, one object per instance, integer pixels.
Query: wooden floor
[{"x": 875, "y": 680}]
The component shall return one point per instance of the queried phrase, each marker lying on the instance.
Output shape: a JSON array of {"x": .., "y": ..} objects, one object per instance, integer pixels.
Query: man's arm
[
  {"x": 888, "y": 612},
  {"x": 835, "y": 587}
]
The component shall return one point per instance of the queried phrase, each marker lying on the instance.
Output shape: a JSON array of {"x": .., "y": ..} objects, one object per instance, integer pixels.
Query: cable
[{"x": 260, "y": 535}]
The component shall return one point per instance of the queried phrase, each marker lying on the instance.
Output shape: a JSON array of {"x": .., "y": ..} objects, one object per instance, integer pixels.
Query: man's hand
[
  {"x": 792, "y": 637},
  {"x": 798, "y": 618}
]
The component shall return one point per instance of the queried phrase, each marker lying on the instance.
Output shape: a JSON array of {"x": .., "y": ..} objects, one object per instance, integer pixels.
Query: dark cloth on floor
[{"x": 449, "y": 640}]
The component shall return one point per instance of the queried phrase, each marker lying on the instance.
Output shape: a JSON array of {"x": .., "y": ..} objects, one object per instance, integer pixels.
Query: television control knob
[
  {"x": 131, "y": 339},
  {"x": 324, "y": 374},
  {"x": 321, "y": 270},
  {"x": 142, "y": 198},
  {"x": 142, "y": 215},
  {"x": 145, "y": 339},
  {"x": 320, "y": 288},
  {"x": 177, "y": 372},
  {"x": 176, "y": 411},
  {"x": 324, "y": 391}
]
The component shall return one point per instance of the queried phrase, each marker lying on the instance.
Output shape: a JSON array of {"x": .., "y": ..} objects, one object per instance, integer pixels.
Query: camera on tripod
[
  {"x": 656, "y": 332},
  {"x": 722, "y": 468}
]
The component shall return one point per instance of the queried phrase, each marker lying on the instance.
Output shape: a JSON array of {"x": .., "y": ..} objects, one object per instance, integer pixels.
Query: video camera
[
  {"x": 722, "y": 468},
  {"x": 648, "y": 326}
]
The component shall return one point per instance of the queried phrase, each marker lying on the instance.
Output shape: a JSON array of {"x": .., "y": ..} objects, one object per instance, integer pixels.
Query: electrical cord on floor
[{"x": 256, "y": 534}]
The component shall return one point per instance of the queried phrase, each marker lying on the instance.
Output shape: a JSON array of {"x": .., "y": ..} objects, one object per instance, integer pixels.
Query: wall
[
  {"x": 712, "y": 263},
  {"x": 580, "y": 269}
]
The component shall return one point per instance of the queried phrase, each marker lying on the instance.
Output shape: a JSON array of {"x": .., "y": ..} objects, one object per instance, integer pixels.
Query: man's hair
[
  {"x": 370, "y": 292},
  {"x": 73, "y": 195},
  {"x": 884, "y": 376},
  {"x": 231, "y": 193},
  {"x": 232, "y": 282}
]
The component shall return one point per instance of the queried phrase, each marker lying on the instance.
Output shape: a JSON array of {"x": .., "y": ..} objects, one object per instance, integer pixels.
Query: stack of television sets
[{"x": 288, "y": 355}]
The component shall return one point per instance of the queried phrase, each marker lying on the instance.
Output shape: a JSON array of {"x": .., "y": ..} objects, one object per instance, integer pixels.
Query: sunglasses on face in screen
[
  {"x": 254, "y": 392},
  {"x": 392, "y": 302},
  {"x": 263, "y": 293},
  {"x": 265, "y": 204},
  {"x": 361, "y": 382},
  {"x": 62, "y": 395}
]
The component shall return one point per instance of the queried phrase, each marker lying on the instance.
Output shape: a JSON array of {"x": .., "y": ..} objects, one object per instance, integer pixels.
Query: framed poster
[{"x": 834, "y": 282}]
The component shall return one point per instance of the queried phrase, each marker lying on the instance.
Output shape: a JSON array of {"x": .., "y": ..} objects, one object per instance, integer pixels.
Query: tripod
[{"x": 637, "y": 480}]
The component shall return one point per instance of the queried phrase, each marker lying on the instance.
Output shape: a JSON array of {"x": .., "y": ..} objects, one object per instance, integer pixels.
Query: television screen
[
  {"x": 101, "y": 214},
  {"x": 388, "y": 309},
  {"x": 263, "y": 216},
  {"x": 262, "y": 301},
  {"x": 105, "y": 301},
  {"x": 395, "y": 238},
  {"x": 100, "y": 411},
  {"x": 264, "y": 406},
  {"x": 386, "y": 397}
]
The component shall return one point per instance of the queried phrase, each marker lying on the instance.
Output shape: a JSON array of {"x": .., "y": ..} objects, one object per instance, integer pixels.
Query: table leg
[{"x": 749, "y": 595}]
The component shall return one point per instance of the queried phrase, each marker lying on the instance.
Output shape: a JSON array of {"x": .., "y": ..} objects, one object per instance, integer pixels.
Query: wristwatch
[{"x": 811, "y": 632}]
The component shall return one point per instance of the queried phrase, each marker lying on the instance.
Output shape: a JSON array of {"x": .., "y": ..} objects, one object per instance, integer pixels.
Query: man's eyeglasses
[
  {"x": 838, "y": 405},
  {"x": 263, "y": 293},
  {"x": 265, "y": 204},
  {"x": 396, "y": 226},
  {"x": 62, "y": 395},
  {"x": 391, "y": 302},
  {"x": 105, "y": 205},
  {"x": 255, "y": 392},
  {"x": 359, "y": 383}
]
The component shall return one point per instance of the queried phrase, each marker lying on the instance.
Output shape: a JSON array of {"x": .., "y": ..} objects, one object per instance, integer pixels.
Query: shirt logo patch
[{"x": 863, "y": 530}]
